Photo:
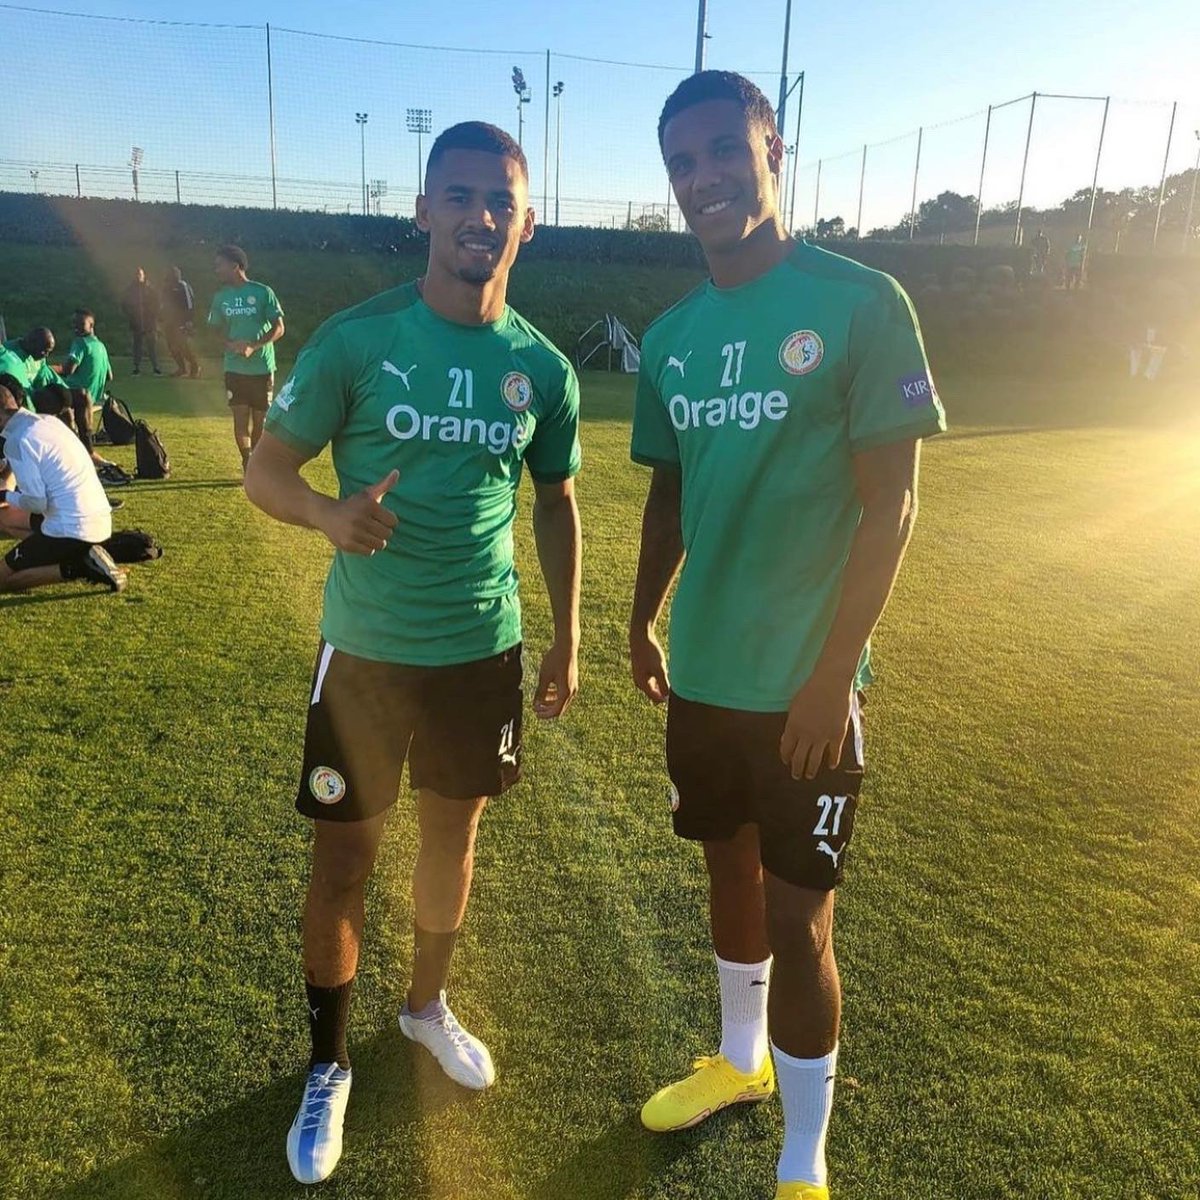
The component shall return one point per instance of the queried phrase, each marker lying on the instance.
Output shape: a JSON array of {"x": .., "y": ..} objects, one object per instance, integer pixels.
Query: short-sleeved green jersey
[
  {"x": 244, "y": 314},
  {"x": 87, "y": 366},
  {"x": 456, "y": 409},
  {"x": 37, "y": 370},
  {"x": 14, "y": 363},
  {"x": 1075, "y": 255},
  {"x": 761, "y": 395}
]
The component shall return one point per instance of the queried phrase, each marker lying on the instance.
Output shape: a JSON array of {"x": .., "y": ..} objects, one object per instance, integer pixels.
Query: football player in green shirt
[
  {"x": 781, "y": 406},
  {"x": 34, "y": 349},
  {"x": 249, "y": 317},
  {"x": 434, "y": 397}
]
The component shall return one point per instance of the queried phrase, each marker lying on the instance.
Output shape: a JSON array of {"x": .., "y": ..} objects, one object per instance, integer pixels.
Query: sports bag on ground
[{"x": 152, "y": 460}]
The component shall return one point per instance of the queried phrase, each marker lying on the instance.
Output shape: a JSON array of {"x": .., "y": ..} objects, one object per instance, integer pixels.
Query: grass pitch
[{"x": 1017, "y": 933}]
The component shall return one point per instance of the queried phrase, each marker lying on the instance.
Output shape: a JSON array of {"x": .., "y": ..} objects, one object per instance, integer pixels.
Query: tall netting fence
[{"x": 275, "y": 117}]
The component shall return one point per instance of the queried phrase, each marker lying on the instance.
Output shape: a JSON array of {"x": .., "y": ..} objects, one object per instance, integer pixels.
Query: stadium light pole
[
  {"x": 1187, "y": 224},
  {"x": 135, "y": 162},
  {"x": 420, "y": 120},
  {"x": 987, "y": 131},
  {"x": 34, "y": 176},
  {"x": 558, "y": 91},
  {"x": 523, "y": 98},
  {"x": 361, "y": 119}
]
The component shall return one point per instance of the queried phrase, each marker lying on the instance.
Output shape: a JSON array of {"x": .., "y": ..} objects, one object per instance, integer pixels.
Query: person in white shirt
[{"x": 50, "y": 479}]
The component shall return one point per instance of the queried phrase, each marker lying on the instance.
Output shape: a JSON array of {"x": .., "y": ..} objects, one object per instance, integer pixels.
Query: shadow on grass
[
  {"x": 239, "y": 1151},
  {"x": 611, "y": 1166},
  {"x": 46, "y": 597},
  {"x": 186, "y": 485}
]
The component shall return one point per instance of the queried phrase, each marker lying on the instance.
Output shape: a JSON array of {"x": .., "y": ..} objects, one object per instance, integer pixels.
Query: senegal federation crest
[
  {"x": 517, "y": 391},
  {"x": 801, "y": 352},
  {"x": 326, "y": 785}
]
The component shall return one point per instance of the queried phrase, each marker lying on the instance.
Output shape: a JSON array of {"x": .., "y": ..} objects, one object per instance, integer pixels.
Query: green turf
[{"x": 1017, "y": 933}]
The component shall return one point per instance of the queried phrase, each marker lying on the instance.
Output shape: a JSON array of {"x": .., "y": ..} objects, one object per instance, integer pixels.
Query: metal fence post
[
  {"x": 1024, "y": 168},
  {"x": 1162, "y": 187},
  {"x": 271, "y": 120},
  {"x": 78, "y": 184},
  {"x": 862, "y": 179},
  {"x": 912, "y": 215},
  {"x": 546, "y": 147},
  {"x": 177, "y": 198},
  {"x": 1096, "y": 174},
  {"x": 817, "y": 202},
  {"x": 987, "y": 131},
  {"x": 796, "y": 155}
]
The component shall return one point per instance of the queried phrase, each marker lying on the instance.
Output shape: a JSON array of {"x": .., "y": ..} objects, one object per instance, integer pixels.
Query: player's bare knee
[
  {"x": 449, "y": 826},
  {"x": 343, "y": 856},
  {"x": 799, "y": 924}
]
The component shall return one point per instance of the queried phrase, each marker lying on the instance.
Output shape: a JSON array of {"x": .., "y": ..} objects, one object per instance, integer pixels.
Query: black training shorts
[
  {"x": 38, "y": 550},
  {"x": 726, "y": 772},
  {"x": 254, "y": 391},
  {"x": 459, "y": 727}
]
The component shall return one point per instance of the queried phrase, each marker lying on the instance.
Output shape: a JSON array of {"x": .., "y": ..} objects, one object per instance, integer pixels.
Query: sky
[{"x": 195, "y": 98}]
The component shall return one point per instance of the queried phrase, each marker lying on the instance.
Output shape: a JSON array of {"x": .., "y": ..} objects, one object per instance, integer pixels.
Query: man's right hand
[
  {"x": 649, "y": 665},
  {"x": 360, "y": 524}
]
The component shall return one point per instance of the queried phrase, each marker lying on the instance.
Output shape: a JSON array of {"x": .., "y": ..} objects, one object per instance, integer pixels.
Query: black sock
[
  {"x": 328, "y": 1016},
  {"x": 431, "y": 966}
]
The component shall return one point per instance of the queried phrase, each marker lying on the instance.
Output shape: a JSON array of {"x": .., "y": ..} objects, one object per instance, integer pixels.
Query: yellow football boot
[
  {"x": 801, "y": 1191},
  {"x": 714, "y": 1084}
]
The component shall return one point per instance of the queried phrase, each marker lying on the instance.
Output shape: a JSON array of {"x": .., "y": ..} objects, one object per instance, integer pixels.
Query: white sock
[
  {"x": 806, "y": 1089},
  {"x": 744, "y": 989}
]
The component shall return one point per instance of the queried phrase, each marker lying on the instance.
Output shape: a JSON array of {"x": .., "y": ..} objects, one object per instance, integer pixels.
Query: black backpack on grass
[
  {"x": 117, "y": 421},
  {"x": 133, "y": 546},
  {"x": 152, "y": 460}
]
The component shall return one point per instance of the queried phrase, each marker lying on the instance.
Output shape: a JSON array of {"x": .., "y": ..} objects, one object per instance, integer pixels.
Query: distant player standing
[
  {"x": 434, "y": 396},
  {"x": 249, "y": 316},
  {"x": 1076, "y": 256},
  {"x": 781, "y": 406}
]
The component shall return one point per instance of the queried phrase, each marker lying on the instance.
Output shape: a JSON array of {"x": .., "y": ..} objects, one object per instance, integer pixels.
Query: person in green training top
[
  {"x": 1076, "y": 256},
  {"x": 86, "y": 372},
  {"x": 34, "y": 350},
  {"x": 781, "y": 406},
  {"x": 250, "y": 319},
  {"x": 434, "y": 396}
]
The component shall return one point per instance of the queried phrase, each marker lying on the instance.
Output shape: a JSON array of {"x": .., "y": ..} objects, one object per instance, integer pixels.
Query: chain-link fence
[{"x": 266, "y": 116}]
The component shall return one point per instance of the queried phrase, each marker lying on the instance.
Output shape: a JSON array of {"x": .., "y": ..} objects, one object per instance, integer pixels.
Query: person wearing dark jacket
[
  {"x": 141, "y": 310},
  {"x": 179, "y": 311}
]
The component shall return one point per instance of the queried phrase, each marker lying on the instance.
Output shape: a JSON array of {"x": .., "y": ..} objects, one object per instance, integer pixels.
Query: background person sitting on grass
[{"x": 51, "y": 483}]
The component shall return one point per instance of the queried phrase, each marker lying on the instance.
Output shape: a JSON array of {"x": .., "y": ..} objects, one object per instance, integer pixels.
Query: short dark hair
[
  {"x": 15, "y": 388},
  {"x": 719, "y": 85},
  {"x": 84, "y": 312},
  {"x": 235, "y": 255},
  {"x": 38, "y": 340},
  {"x": 477, "y": 135}
]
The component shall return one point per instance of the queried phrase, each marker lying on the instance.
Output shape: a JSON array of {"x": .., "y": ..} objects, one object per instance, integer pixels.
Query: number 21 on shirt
[{"x": 462, "y": 381}]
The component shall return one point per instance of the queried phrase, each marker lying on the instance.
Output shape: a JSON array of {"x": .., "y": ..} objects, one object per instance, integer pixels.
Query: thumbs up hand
[{"x": 360, "y": 524}]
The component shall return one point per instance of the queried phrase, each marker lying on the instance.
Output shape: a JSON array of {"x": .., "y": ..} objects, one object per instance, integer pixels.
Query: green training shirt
[
  {"x": 87, "y": 366},
  {"x": 761, "y": 395},
  {"x": 13, "y": 362},
  {"x": 244, "y": 314},
  {"x": 37, "y": 370},
  {"x": 456, "y": 409}
]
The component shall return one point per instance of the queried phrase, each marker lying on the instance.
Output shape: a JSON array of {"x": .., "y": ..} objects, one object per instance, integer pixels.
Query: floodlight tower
[
  {"x": 135, "y": 163},
  {"x": 361, "y": 120},
  {"x": 523, "y": 98},
  {"x": 420, "y": 121},
  {"x": 558, "y": 91}
]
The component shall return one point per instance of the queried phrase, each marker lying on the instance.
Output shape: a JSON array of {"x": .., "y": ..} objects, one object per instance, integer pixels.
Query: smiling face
[
  {"x": 476, "y": 212},
  {"x": 724, "y": 170}
]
